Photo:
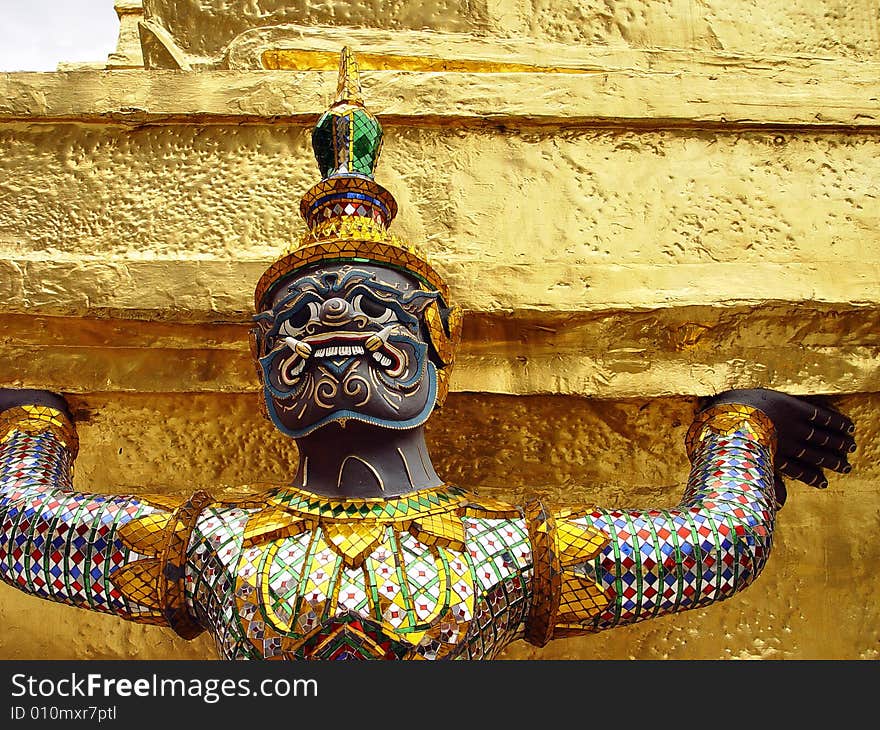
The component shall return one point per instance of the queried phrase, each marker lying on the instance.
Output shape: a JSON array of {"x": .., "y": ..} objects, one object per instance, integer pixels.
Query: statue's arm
[
  {"x": 651, "y": 562},
  {"x": 100, "y": 552}
]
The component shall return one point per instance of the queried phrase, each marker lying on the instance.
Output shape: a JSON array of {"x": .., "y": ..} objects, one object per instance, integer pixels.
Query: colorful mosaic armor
[{"x": 440, "y": 573}]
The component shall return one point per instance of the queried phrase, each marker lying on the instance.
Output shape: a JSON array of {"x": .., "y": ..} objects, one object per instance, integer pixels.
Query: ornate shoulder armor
[
  {"x": 157, "y": 579},
  {"x": 37, "y": 419},
  {"x": 565, "y": 598}
]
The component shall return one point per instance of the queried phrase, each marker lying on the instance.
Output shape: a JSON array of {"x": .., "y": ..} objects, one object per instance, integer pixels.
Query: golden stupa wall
[{"x": 636, "y": 203}]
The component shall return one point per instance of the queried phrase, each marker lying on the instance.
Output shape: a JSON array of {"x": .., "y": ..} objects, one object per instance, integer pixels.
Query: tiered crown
[{"x": 347, "y": 212}]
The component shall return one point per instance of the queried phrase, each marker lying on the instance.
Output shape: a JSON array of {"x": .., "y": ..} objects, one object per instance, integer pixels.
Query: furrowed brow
[
  {"x": 384, "y": 291},
  {"x": 306, "y": 286}
]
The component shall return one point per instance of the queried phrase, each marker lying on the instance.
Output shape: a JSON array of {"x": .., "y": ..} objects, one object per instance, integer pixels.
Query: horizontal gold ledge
[
  {"x": 289, "y": 59},
  {"x": 614, "y": 375},
  {"x": 667, "y": 329},
  {"x": 717, "y": 94},
  {"x": 624, "y": 354},
  {"x": 212, "y": 289}
]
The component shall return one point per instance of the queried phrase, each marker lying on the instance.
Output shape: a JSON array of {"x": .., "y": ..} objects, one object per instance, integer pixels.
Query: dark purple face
[{"x": 346, "y": 342}]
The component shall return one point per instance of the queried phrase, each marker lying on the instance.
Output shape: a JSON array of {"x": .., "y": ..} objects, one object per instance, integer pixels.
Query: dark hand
[
  {"x": 810, "y": 438},
  {"x": 11, "y": 397}
]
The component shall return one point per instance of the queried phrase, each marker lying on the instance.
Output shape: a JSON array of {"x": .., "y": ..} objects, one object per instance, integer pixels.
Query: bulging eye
[
  {"x": 299, "y": 319},
  {"x": 374, "y": 309}
]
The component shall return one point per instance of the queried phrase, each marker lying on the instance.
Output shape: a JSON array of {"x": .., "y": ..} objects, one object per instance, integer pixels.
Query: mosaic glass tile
[
  {"x": 463, "y": 584},
  {"x": 55, "y": 543}
]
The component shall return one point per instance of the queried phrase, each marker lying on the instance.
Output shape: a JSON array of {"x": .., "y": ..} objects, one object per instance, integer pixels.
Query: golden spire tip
[{"x": 348, "y": 91}]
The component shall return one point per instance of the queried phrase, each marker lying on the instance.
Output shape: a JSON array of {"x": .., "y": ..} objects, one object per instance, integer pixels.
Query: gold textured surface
[
  {"x": 631, "y": 220},
  {"x": 297, "y": 60},
  {"x": 202, "y": 31},
  {"x": 128, "y": 52},
  {"x": 647, "y": 90},
  {"x": 614, "y": 312},
  {"x": 693, "y": 209},
  {"x": 815, "y": 599},
  {"x": 810, "y": 347}
]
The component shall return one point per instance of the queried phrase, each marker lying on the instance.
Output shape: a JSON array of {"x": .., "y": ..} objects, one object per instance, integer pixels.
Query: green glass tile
[{"x": 322, "y": 143}]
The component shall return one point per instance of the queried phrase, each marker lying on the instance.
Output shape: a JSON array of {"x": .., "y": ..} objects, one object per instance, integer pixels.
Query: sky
[{"x": 36, "y": 34}]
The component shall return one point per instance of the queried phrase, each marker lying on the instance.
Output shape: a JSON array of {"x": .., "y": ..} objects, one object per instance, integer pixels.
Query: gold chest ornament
[
  {"x": 440, "y": 573},
  {"x": 400, "y": 578}
]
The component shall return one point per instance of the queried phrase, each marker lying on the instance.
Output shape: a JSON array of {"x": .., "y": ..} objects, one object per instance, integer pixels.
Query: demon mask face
[{"x": 346, "y": 342}]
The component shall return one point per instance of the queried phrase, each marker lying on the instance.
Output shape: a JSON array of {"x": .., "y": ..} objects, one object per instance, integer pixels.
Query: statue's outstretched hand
[
  {"x": 11, "y": 397},
  {"x": 810, "y": 438}
]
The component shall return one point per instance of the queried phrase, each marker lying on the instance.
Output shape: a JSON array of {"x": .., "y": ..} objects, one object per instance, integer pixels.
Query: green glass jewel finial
[{"x": 347, "y": 138}]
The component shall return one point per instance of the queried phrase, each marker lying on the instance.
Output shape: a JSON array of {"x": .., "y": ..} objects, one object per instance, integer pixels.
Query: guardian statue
[{"x": 369, "y": 553}]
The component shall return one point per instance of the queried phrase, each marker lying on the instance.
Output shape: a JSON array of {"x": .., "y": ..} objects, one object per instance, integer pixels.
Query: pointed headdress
[{"x": 347, "y": 214}]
